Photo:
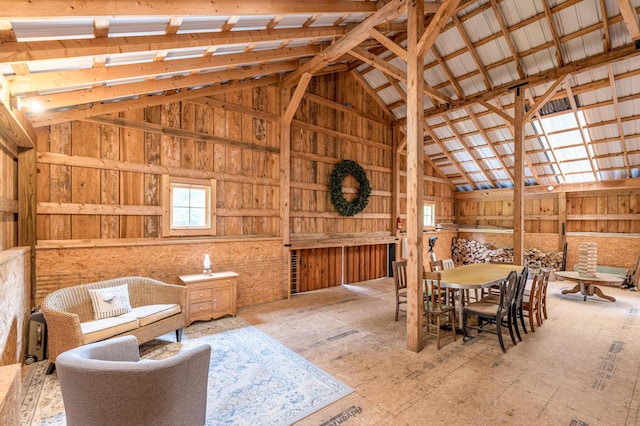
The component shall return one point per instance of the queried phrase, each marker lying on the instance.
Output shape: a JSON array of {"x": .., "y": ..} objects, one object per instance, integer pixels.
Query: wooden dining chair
[
  {"x": 546, "y": 273},
  {"x": 531, "y": 302},
  {"x": 437, "y": 310},
  {"x": 516, "y": 304},
  {"x": 435, "y": 265},
  {"x": 400, "y": 281},
  {"x": 498, "y": 314},
  {"x": 448, "y": 264}
]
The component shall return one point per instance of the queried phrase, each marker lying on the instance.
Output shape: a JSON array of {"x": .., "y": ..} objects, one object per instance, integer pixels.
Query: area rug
[{"x": 253, "y": 379}]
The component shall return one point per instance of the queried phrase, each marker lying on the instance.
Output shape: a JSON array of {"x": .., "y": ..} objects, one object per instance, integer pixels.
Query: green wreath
[{"x": 344, "y": 207}]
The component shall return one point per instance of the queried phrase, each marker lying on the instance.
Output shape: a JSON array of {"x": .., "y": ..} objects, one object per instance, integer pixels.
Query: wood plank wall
[
  {"x": 610, "y": 218},
  {"x": 8, "y": 197},
  {"x": 435, "y": 189},
  {"x": 323, "y": 267},
  {"x": 89, "y": 170},
  {"x": 337, "y": 120}
]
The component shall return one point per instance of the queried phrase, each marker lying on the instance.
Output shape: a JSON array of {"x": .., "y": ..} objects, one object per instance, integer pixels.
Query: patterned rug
[{"x": 253, "y": 379}]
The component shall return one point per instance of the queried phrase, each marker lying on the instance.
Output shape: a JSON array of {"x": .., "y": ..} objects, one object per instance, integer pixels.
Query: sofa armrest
[
  {"x": 63, "y": 331},
  {"x": 152, "y": 292}
]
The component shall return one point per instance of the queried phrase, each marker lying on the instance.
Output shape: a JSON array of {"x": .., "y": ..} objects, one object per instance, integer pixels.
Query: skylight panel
[
  {"x": 565, "y": 139},
  {"x": 559, "y": 122}
]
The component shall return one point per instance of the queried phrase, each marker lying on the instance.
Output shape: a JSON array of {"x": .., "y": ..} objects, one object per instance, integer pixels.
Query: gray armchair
[{"x": 106, "y": 383}]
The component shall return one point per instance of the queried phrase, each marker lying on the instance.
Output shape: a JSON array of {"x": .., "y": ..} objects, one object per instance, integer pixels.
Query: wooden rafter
[
  {"x": 388, "y": 12},
  {"x": 98, "y": 94},
  {"x": 470, "y": 152},
  {"x": 550, "y": 149},
  {"x": 398, "y": 50},
  {"x": 12, "y": 52},
  {"x": 623, "y": 143},
  {"x": 554, "y": 33},
  {"x": 47, "y": 81},
  {"x": 447, "y": 72},
  {"x": 447, "y": 154},
  {"x": 364, "y": 85},
  {"x": 507, "y": 37},
  {"x": 587, "y": 148},
  {"x": 583, "y": 65},
  {"x": 498, "y": 111},
  {"x": 472, "y": 52},
  {"x": 147, "y": 101},
  {"x": 630, "y": 17},
  {"x": 29, "y": 9},
  {"x": 544, "y": 98},
  {"x": 606, "y": 38},
  {"x": 489, "y": 143}
]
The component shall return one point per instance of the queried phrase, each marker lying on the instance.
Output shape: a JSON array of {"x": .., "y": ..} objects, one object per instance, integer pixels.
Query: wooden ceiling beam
[
  {"x": 355, "y": 36},
  {"x": 545, "y": 98},
  {"x": 365, "y": 86},
  {"x": 14, "y": 127},
  {"x": 587, "y": 148},
  {"x": 461, "y": 141},
  {"x": 623, "y": 142},
  {"x": 74, "y": 8},
  {"x": 99, "y": 94},
  {"x": 12, "y": 52},
  {"x": 46, "y": 119},
  {"x": 554, "y": 34},
  {"x": 606, "y": 38},
  {"x": 584, "y": 65},
  {"x": 472, "y": 52},
  {"x": 507, "y": 36},
  {"x": 630, "y": 17},
  {"x": 21, "y": 84},
  {"x": 446, "y": 153}
]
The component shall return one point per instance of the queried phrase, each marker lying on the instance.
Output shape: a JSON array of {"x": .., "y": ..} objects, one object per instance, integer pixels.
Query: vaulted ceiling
[{"x": 577, "y": 61}]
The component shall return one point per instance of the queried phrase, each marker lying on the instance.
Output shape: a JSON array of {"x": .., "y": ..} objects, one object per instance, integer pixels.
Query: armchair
[{"x": 106, "y": 383}]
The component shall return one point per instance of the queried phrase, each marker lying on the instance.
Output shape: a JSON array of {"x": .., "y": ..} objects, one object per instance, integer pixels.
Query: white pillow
[{"x": 110, "y": 302}]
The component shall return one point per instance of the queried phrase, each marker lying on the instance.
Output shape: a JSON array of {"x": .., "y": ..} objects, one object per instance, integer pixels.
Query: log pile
[{"x": 470, "y": 251}]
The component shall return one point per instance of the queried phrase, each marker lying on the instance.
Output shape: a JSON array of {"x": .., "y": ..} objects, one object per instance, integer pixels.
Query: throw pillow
[{"x": 110, "y": 302}]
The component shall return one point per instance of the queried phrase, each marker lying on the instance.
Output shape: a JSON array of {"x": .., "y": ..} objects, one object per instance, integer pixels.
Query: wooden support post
[
  {"x": 27, "y": 209},
  {"x": 415, "y": 170},
  {"x": 395, "y": 193},
  {"x": 562, "y": 219},
  {"x": 518, "y": 177},
  {"x": 285, "y": 186}
]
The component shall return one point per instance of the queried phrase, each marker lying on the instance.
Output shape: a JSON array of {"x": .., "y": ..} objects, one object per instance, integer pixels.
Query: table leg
[
  {"x": 575, "y": 289},
  {"x": 599, "y": 293}
]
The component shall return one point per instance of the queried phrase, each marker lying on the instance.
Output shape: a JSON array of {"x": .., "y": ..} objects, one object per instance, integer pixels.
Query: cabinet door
[{"x": 223, "y": 299}]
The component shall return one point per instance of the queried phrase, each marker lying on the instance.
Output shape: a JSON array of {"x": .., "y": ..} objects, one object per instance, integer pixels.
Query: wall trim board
[{"x": 127, "y": 242}]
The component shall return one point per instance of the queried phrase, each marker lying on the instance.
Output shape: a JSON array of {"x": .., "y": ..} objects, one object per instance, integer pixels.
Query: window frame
[
  {"x": 168, "y": 183},
  {"x": 431, "y": 204}
]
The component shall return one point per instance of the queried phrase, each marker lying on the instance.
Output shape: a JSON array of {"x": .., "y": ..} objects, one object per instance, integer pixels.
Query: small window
[
  {"x": 429, "y": 215},
  {"x": 188, "y": 206}
]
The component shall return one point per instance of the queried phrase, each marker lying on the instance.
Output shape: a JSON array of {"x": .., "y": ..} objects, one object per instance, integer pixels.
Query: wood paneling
[
  {"x": 116, "y": 161},
  {"x": 323, "y": 267}
]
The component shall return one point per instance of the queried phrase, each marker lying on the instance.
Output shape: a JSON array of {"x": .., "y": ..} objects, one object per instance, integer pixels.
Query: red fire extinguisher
[{"x": 399, "y": 223}]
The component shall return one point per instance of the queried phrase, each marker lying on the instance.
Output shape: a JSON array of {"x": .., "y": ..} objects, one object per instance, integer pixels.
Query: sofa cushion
[
  {"x": 93, "y": 331},
  {"x": 151, "y": 313},
  {"x": 110, "y": 301}
]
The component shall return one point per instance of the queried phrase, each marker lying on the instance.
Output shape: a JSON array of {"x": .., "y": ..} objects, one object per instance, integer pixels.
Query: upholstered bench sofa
[{"x": 87, "y": 313}]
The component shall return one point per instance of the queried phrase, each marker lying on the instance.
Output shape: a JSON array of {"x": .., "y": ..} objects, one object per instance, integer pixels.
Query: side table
[{"x": 210, "y": 296}]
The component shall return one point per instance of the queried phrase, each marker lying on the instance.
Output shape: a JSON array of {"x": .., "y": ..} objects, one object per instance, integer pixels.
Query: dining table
[
  {"x": 475, "y": 276},
  {"x": 587, "y": 284}
]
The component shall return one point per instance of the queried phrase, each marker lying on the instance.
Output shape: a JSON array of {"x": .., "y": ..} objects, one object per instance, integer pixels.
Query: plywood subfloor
[{"x": 579, "y": 368}]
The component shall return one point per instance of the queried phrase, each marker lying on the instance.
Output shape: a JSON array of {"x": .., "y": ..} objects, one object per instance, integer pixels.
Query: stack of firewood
[{"x": 470, "y": 251}]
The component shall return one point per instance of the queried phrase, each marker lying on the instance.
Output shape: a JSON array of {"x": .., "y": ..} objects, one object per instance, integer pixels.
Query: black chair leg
[
  {"x": 499, "y": 331},
  {"x": 524, "y": 327},
  {"x": 510, "y": 325},
  {"x": 179, "y": 334},
  {"x": 515, "y": 324}
]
